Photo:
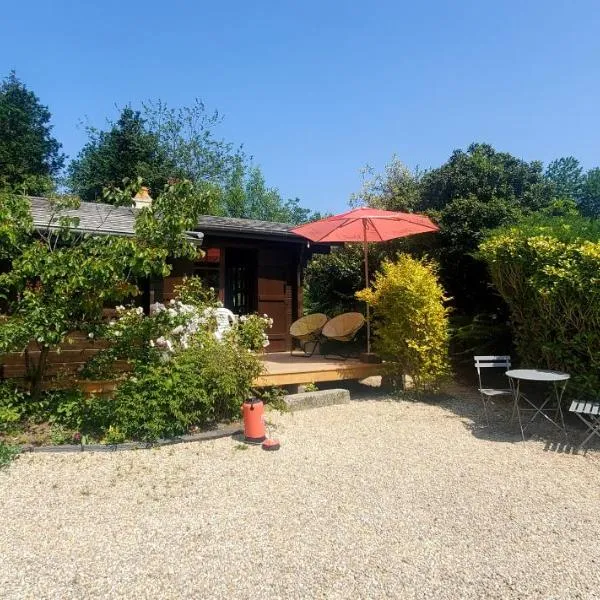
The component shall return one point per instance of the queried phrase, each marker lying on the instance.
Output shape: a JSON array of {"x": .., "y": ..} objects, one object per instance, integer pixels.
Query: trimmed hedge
[{"x": 548, "y": 272}]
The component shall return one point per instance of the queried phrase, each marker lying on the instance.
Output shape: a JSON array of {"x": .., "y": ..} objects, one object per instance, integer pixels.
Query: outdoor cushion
[{"x": 343, "y": 328}]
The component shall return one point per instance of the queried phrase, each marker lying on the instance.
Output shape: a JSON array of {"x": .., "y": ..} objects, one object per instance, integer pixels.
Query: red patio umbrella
[{"x": 366, "y": 225}]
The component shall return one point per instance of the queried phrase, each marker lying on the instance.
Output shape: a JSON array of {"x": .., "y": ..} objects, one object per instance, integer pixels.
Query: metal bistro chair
[
  {"x": 487, "y": 394},
  {"x": 307, "y": 331},
  {"x": 589, "y": 413}
]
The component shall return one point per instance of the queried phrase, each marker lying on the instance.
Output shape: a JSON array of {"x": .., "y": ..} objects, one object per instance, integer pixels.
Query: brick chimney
[{"x": 142, "y": 199}]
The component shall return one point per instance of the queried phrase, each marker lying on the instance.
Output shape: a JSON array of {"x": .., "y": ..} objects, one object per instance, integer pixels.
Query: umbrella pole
[{"x": 366, "y": 250}]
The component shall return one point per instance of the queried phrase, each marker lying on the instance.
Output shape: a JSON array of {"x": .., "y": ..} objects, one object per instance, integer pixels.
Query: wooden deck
[{"x": 283, "y": 369}]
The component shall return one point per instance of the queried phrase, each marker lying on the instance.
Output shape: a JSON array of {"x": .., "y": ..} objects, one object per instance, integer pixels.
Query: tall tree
[
  {"x": 187, "y": 137},
  {"x": 247, "y": 196},
  {"x": 397, "y": 188},
  {"x": 30, "y": 156},
  {"x": 567, "y": 176},
  {"x": 126, "y": 150},
  {"x": 485, "y": 173},
  {"x": 589, "y": 200}
]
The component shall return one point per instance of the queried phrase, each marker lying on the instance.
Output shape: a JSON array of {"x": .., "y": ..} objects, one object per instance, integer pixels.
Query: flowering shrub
[
  {"x": 250, "y": 331},
  {"x": 206, "y": 382},
  {"x": 136, "y": 337}
]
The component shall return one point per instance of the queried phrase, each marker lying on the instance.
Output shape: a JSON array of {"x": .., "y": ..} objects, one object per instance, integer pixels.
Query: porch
[{"x": 280, "y": 368}]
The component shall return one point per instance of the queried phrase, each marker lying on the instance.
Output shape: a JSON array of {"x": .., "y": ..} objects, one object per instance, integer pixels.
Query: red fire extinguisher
[{"x": 253, "y": 411}]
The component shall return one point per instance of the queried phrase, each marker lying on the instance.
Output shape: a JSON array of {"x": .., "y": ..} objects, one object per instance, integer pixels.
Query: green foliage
[
  {"x": 193, "y": 292},
  {"x": 397, "y": 188},
  {"x": 59, "y": 280},
  {"x": 12, "y": 409},
  {"x": 546, "y": 269},
  {"x": 29, "y": 155},
  {"x": 126, "y": 150},
  {"x": 186, "y": 136},
  {"x": 589, "y": 201},
  {"x": 410, "y": 319},
  {"x": 8, "y": 453},
  {"x": 246, "y": 196},
  {"x": 332, "y": 280},
  {"x": 486, "y": 174},
  {"x": 161, "y": 144},
  {"x": 205, "y": 383},
  {"x": 567, "y": 176},
  {"x": 274, "y": 397}
]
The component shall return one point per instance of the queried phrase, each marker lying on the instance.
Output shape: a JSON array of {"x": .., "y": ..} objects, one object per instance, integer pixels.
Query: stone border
[
  {"x": 306, "y": 400},
  {"x": 211, "y": 434}
]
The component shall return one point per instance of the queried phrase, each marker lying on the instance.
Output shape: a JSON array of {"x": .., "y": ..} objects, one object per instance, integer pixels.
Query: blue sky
[{"x": 314, "y": 90}]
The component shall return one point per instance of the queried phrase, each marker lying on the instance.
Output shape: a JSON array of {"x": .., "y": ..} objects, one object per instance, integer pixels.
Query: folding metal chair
[
  {"x": 487, "y": 394},
  {"x": 589, "y": 413}
]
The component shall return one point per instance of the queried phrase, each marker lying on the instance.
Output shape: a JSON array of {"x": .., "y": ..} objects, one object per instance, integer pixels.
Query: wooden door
[{"x": 275, "y": 296}]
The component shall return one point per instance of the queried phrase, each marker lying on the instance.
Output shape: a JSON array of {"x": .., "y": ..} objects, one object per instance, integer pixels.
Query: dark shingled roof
[
  {"x": 93, "y": 217},
  {"x": 118, "y": 220}
]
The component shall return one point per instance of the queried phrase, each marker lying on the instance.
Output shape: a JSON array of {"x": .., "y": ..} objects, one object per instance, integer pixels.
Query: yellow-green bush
[
  {"x": 410, "y": 319},
  {"x": 548, "y": 272}
]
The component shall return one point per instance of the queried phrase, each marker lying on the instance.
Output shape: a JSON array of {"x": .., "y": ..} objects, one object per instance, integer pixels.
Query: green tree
[
  {"x": 484, "y": 173},
  {"x": 30, "y": 157},
  {"x": 59, "y": 280},
  {"x": 589, "y": 200},
  {"x": 247, "y": 196},
  {"x": 187, "y": 137},
  {"x": 567, "y": 176},
  {"x": 397, "y": 188},
  {"x": 126, "y": 150}
]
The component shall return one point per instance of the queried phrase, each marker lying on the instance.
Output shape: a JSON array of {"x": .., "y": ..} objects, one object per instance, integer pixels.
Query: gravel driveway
[{"x": 375, "y": 499}]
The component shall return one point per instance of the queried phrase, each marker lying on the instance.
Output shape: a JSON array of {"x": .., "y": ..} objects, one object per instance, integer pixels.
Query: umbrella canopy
[
  {"x": 377, "y": 225},
  {"x": 366, "y": 225}
]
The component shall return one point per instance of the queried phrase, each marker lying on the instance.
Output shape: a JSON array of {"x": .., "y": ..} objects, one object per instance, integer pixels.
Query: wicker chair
[
  {"x": 343, "y": 328},
  {"x": 307, "y": 330}
]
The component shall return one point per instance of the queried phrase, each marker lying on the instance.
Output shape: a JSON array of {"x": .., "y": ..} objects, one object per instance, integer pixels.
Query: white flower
[
  {"x": 91, "y": 335},
  {"x": 171, "y": 312},
  {"x": 266, "y": 316},
  {"x": 169, "y": 346},
  {"x": 171, "y": 301},
  {"x": 156, "y": 308},
  {"x": 112, "y": 323},
  {"x": 243, "y": 318},
  {"x": 120, "y": 308},
  {"x": 118, "y": 333},
  {"x": 139, "y": 310},
  {"x": 179, "y": 329},
  {"x": 151, "y": 343}
]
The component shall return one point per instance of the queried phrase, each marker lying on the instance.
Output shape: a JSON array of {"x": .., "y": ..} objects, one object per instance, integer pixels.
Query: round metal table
[{"x": 558, "y": 380}]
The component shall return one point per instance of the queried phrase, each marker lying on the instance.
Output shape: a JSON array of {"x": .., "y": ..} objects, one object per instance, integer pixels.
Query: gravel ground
[{"x": 373, "y": 499}]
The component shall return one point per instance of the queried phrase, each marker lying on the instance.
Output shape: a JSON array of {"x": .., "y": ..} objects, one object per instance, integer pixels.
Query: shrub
[
  {"x": 7, "y": 453},
  {"x": 410, "y": 319},
  {"x": 206, "y": 382},
  {"x": 139, "y": 338},
  {"x": 547, "y": 271}
]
